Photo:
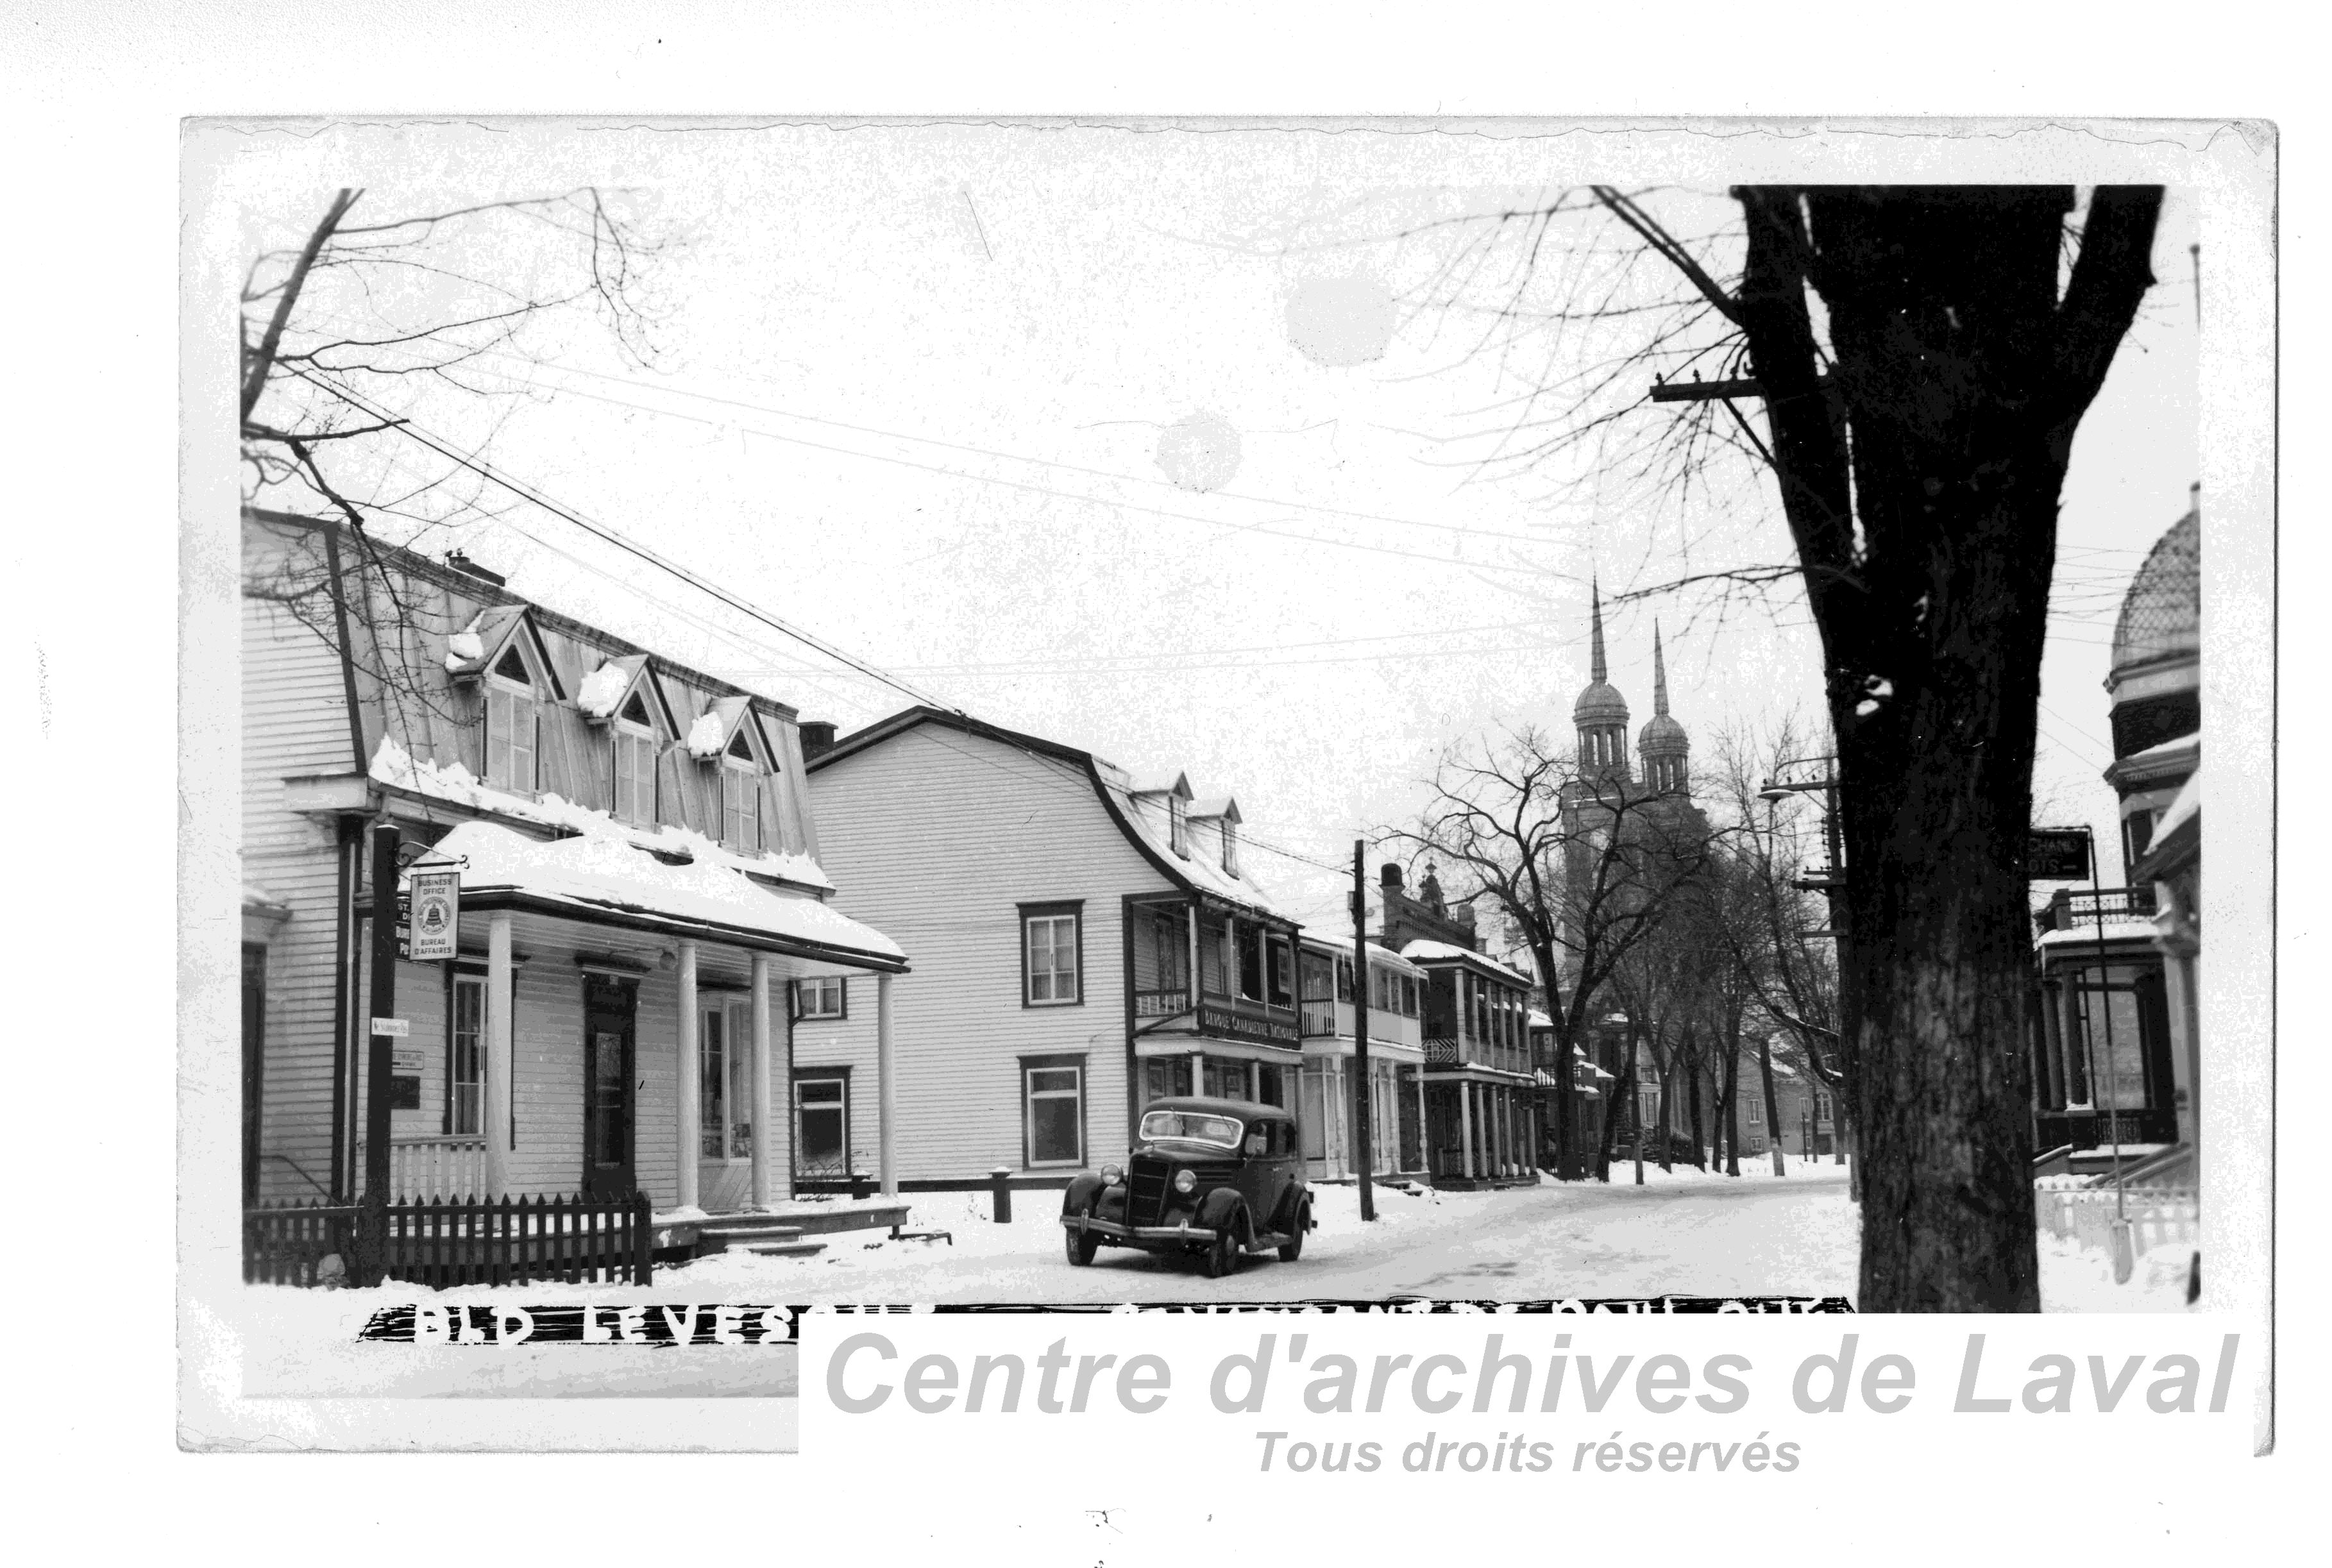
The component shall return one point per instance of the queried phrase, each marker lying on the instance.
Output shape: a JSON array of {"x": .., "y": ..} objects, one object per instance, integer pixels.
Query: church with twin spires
[{"x": 1604, "y": 780}]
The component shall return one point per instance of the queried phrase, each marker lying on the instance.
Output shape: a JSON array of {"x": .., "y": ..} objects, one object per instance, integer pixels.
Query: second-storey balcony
[
  {"x": 2069, "y": 910},
  {"x": 1244, "y": 971}
]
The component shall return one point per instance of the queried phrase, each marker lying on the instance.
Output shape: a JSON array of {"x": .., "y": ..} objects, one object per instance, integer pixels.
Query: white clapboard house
[
  {"x": 642, "y": 901},
  {"x": 1085, "y": 941},
  {"x": 1395, "y": 992}
]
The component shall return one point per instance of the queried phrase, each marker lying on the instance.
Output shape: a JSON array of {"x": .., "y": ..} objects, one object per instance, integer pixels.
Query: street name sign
[{"x": 2057, "y": 855}]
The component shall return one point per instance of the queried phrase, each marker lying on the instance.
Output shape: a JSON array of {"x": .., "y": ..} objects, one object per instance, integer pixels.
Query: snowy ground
[{"x": 1683, "y": 1232}]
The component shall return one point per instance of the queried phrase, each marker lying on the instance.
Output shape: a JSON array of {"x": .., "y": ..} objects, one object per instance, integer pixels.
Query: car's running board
[{"x": 1270, "y": 1241}]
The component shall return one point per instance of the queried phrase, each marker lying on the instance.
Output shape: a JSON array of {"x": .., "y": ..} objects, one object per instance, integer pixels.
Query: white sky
[{"x": 911, "y": 396}]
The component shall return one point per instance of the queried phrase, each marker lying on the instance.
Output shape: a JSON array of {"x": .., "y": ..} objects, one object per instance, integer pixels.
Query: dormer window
[
  {"x": 741, "y": 795},
  {"x": 513, "y": 724},
  {"x": 635, "y": 763},
  {"x": 1177, "y": 830},
  {"x": 1230, "y": 848}
]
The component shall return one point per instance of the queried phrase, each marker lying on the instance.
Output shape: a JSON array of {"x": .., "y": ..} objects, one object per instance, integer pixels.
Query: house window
[
  {"x": 1282, "y": 959},
  {"x": 826, "y": 997},
  {"x": 1754, "y": 1108},
  {"x": 1230, "y": 848},
  {"x": 741, "y": 796},
  {"x": 1050, "y": 943},
  {"x": 636, "y": 765},
  {"x": 513, "y": 727},
  {"x": 822, "y": 1126},
  {"x": 466, "y": 1077},
  {"x": 1178, "y": 826},
  {"x": 1344, "y": 978},
  {"x": 1248, "y": 938},
  {"x": 1409, "y": 996},
  {"x": 1053, "y": 1110}
]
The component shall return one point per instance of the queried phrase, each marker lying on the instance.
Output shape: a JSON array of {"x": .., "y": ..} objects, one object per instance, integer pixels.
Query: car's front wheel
[
  {"x": 1082, "y": 1246},
  {"x": 1223, "y": 1256}
]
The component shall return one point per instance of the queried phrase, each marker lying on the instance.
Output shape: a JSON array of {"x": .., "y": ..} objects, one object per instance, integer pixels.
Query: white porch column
[
  {"x": 885, "y": 1082},
  {"x": 1198, "y": 1072},
  {"x": 687, "y": 1084},
  {"x": 1424, "y": 1128},
  {"x": 1465, "y": 1125},
  {"x": 495, "y": 1094},
  {"x": 764, "y": 1142},
  {"x": 1255, "y": 1080}
]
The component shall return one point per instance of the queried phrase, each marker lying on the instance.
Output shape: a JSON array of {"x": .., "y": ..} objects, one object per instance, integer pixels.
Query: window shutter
[{"x": 498, "y": 736}]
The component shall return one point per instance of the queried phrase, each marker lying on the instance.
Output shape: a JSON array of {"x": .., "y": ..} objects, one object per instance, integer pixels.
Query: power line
[{"x": 485, "y": 469}]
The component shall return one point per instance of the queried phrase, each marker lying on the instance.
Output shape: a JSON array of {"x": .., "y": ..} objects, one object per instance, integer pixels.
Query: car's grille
[{"x": 1147, "y": 1179}]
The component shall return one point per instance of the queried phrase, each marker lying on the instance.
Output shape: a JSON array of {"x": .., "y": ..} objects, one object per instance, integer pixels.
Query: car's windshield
[{"x": 1191, "y": 1127}]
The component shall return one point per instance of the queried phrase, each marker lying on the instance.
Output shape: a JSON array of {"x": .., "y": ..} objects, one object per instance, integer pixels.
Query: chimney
[
  {"x": 468, "y": 567},
  {"x": 1391, "y": 877},
  {"x": 816, "y": 736}
]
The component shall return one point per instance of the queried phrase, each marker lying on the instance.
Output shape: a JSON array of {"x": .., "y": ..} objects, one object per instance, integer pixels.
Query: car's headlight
[
  {"x": 1186, "y": 1181},
  {"x": 1111, "y": 1175}
]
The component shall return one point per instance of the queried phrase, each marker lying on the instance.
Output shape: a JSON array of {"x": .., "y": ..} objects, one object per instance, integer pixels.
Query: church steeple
[
  {"x": 1598, "y": 672},
  {"x": 1666, "y": 748},
  {"x": 1601, "y": 715}
]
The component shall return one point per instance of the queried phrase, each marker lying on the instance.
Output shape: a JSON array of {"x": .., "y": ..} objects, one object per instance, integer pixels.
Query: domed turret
[
  {"x": 1664, "y": 745},
  {"x": 2162, "y": 614},
  {"x": 1601, "y": 715}
]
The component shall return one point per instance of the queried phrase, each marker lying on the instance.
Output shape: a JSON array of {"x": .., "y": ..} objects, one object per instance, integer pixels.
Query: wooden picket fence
[
  {"x": 2158, "y": 1216},
  {"x": 444, "y": 1242}
]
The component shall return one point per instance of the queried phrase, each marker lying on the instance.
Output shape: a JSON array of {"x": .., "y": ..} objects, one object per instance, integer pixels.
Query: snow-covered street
[{"x": 1681, "y": 1233}]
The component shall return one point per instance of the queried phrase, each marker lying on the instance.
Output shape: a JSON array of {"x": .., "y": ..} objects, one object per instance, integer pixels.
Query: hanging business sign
[
  {"x": 434, "y": 919},
  {"x": 2057, "y": 855}
]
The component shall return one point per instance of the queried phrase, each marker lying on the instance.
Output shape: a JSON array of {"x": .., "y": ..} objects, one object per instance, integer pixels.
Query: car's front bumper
[{"x": 1138, "y": 1235}]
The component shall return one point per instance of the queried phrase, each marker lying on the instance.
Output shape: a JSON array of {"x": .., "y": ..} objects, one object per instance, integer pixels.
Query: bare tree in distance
[
  {"x": 367, "y": 342},
  {"x": 1583, "y": 868},
  {"x": 1916, "y": 361}
]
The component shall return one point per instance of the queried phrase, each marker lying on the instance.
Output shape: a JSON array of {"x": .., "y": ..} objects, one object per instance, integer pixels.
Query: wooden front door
[{"x": 610, "y": 1100}]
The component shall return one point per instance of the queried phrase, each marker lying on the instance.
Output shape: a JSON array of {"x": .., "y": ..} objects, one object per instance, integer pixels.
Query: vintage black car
[{"x": 1218, "y": 1178}]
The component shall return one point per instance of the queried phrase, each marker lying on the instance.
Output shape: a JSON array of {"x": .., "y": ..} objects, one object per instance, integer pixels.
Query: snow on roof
[
  {"x": 394, "y": 766},
  {"x": 1214, "y": 806},
  {"x": 2186, "y": 803},
  {"x": 708, "y": 736},
  {"x": 257, "y": 897},
  {"x": 2115, "y": 931},
  {"x": 1330, "y": 939},
  {"x": 605, "y": 687},
  {"x": 1423, "y": 950},
  {"x": 1161, "y": 784},
  {"x": 2190, "y": 741},
  {"x": 466, "y": 650},
  {"x": 1146, "y": 815},
  {"x": 1539, "y": 1020},
  {"x": 595, "y": 872}
]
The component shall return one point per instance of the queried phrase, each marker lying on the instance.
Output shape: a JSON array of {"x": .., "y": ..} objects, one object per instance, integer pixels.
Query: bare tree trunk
[
  {"x": 1733, "y": 1105},
  {"x": 1773, "y": 1102},
  {"x": 1699, "y": 1137}
]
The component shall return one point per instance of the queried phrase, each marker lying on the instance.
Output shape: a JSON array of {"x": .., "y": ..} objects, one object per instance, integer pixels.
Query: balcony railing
[
  {"x": 2072, "y": 910},
  {"x": 424, "y": 1168},
  {"x": 1162, "y": 1004},
  {"x": 1319, "y": 1018}
]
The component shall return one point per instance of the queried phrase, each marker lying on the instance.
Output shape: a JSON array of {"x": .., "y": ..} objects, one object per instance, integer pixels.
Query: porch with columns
[
  {"x": 1481, "y": 1128},
  {"x": 613, "y": 1000}
]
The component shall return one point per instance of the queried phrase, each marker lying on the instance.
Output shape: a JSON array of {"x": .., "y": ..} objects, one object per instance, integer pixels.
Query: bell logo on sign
[{"x": 436, "y": 921}]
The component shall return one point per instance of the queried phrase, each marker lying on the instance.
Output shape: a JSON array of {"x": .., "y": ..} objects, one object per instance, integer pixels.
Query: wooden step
[{"x": 780, "y": 1249}]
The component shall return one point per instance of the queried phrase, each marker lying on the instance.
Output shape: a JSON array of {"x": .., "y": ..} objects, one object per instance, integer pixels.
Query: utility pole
[
  {"x": 1361, "y": 1142},
  {"x": 372, "y": 1222}
]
